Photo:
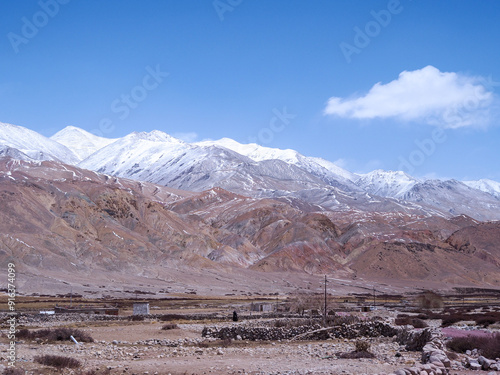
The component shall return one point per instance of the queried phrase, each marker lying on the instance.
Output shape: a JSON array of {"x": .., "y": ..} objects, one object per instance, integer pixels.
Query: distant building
[
  {"x": 141, "y": 308},
  {"x": 262, "y": 307}
]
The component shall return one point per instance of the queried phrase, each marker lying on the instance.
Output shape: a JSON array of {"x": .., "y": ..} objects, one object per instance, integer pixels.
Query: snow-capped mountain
[
  {"x": 391, "y": 184},
  {"x": 321, "y": 168},
  {"x": 448, "y": 196},
  {"x": 456, "y": 198},
  {"x": 81, "y": 142},
  {"x": 157, "y": 157},
  {"x": 253, "y": 170},
  {"x": 35, "y": 145},
  {"x": 488, "y": 186}
]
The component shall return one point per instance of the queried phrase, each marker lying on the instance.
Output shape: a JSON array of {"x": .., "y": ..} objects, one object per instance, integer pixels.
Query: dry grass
[
  {"x": 403, "y": 320},
  {"x": 57, "y": 361},
  {"x": 170, "y": 317}
]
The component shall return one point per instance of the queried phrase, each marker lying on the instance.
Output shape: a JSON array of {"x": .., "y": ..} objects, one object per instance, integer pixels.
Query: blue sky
[{"x": 393, "y": 84}]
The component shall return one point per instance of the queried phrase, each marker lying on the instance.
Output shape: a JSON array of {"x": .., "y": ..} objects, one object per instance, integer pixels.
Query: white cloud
[
  {"x": 186, "y": 137},
  {"x": 446, "y": 99}
]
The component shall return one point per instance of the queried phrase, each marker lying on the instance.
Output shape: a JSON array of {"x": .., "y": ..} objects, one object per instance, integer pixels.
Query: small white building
[
  {"x": 262, "y": 307},
  {"x": 141, "y": 308}
]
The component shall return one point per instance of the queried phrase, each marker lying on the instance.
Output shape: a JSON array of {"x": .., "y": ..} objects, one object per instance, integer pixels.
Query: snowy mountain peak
[
  {"x": 35, "y": 145},
  {"x": 390, "y": 175},
  {"x": 80, "y": 141},
  {"x": 387, "y": 183},
  {"x": 154, "y": 136},
  {"x": 255, "y": 151},
  {"x": 486, "y": 185},
  {"x": 324, "y": 169}
]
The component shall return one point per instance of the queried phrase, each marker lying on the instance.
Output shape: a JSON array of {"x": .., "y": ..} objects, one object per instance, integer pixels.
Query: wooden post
[{"x": 325, "y": 302}]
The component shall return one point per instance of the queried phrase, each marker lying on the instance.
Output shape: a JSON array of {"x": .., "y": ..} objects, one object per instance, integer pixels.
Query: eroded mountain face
[{"x": 72, "y": 224}]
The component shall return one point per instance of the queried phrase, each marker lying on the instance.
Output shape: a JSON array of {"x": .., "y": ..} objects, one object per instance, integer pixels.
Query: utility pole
[{"x": 325, "y": 301}]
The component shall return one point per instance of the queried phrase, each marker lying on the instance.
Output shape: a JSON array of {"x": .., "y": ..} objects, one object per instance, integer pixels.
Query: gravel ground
[{"x": 144, "y": 348}]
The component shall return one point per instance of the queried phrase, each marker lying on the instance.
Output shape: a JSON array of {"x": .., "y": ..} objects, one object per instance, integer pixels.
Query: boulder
[{"x": 484, "y": 362}]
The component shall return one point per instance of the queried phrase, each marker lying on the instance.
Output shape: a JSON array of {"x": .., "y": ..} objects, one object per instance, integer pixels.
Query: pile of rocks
[
  {"x": 434, "y": 359},
  {"x": 482, "y": 363}
]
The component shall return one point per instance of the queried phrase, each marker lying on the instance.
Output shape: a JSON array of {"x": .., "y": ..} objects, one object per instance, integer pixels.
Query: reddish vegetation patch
[
  {"x": 455, "y": 332},
  {"x": 488, "y": 345}
]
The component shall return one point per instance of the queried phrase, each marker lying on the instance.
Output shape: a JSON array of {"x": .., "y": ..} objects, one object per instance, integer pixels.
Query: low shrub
[
  {"x": 13, "y": 371},
  {"x": 169, "y": 326},
  {"x": 488, "y": 346},
  {"x": 361, "y": 350},
  {"x": 403, "y": 319},
  {"x": 361, "y": 346},
  {"x": 57, "y": 334},
  {"x": 356, "y": 355},
  {"x": 57, "y": 361},
  {"x": 453, "y": 318},
  {"x": 485, "y": 321}
]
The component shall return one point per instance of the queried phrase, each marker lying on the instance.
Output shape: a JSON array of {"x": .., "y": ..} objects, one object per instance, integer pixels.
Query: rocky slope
[{"x": 60, "y": 223}]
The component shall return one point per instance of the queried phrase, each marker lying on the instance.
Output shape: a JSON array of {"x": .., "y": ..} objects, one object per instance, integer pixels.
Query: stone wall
[{"x": 346, "y": 331}]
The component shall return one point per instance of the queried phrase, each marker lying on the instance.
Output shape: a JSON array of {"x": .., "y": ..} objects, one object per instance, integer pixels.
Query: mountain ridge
[{"x": 259, "y": 171}]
